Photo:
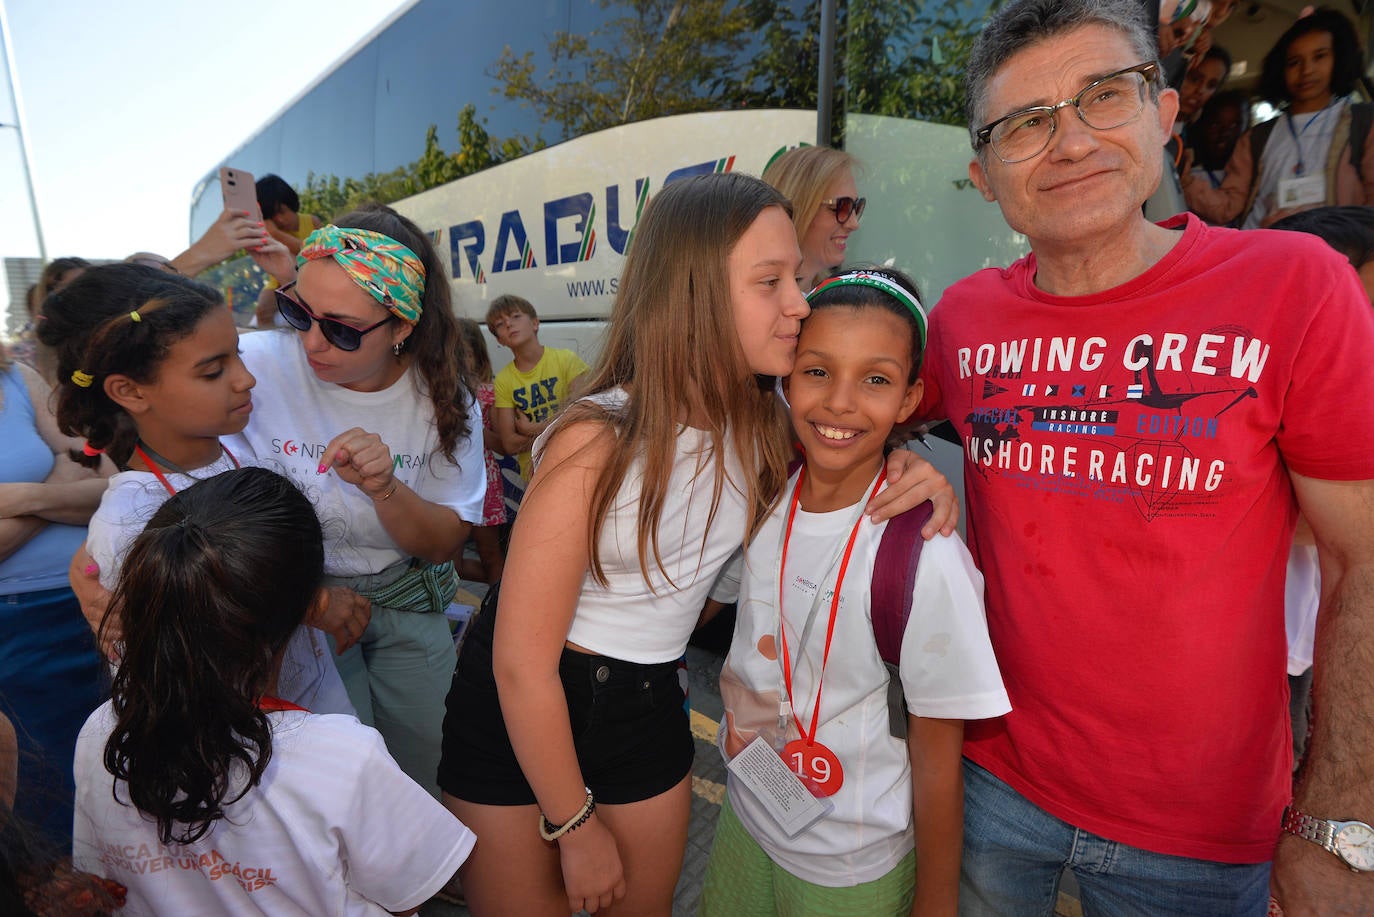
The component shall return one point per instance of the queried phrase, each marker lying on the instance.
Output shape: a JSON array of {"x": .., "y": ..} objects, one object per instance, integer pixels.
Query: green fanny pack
[{"x": 421, "y": 587}]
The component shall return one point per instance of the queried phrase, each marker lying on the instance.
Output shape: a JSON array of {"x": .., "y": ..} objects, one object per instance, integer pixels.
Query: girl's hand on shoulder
[
  {"x": 592, "y": 872},
  {"x": 361, "y": 459},
  {"x": 911, "y": 481},
  {"x": 84, "y": 576}
]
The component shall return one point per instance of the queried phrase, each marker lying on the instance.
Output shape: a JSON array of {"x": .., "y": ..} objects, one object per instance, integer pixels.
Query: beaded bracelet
[{"x": 549, "y": 832}]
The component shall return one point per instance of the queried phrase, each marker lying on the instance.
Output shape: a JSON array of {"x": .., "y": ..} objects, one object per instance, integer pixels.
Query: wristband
[{"x": 549, "y": 832}]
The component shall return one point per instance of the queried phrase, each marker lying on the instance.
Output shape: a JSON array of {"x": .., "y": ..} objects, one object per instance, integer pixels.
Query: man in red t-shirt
[{"x": 1144, "y": 409}]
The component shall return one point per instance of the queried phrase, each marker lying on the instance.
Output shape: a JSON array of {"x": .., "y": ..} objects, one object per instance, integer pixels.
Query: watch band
[{"x": 1317, "y": 830}]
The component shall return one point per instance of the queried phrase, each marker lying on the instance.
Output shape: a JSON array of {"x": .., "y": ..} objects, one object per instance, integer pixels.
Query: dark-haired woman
[
  {"x": 201, "y": 791},
  {"x": 366, "y": 405},
  {"x": 1306, "y": 156}
]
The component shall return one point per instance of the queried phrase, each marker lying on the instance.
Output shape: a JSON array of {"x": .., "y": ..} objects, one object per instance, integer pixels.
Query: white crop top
[{"x": 648, "y": 622}]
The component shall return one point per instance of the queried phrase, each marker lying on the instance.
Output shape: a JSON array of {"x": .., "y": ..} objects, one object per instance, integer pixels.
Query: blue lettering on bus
[
  {"x": 577, "y": 205},
  {"x": 618, "y": 236},
  {"x": 512, "y": 229},
  {"x": 701, "y": 168},
  {"x": 467, "y": 239}
]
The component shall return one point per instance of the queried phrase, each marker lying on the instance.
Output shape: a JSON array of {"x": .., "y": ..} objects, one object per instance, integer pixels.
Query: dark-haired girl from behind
[{"x": 198, "y": 788}]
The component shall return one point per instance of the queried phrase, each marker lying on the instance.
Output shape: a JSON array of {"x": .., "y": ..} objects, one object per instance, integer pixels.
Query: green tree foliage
[
  {"x": 907, "y": 60},
  {"x": 901, "y": 58},
  {"x": 328, "y": 196},
  {"x": 659, "y": 57},
  {"x": 894, "y": 57}
]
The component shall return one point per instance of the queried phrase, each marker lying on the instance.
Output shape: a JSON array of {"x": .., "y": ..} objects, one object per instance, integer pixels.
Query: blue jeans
[
  {"x": 1014, "y": 853},
  {"x": 51, "y": 678}
]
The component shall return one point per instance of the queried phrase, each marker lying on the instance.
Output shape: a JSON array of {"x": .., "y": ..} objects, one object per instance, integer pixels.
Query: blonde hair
[
  {"x": 671, "y": 342},
  {"x": 803, "y": 175}
]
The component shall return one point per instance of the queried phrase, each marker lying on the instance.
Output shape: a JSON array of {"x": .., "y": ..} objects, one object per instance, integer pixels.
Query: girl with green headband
[
  {"x": 366, "y": 405},
  {"x": 812, "y": 563}
]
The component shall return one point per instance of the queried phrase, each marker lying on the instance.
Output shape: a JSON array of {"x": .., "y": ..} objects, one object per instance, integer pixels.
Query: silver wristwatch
[{"x": 1352, "y": 841}]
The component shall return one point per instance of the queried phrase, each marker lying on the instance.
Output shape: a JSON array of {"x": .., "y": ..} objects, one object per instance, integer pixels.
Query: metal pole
[
  {"x": 13, "y": 81},
  {"x": 825, "y": 90}
]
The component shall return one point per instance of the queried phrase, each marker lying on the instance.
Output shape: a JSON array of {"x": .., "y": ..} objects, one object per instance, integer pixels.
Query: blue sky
[{"x": 126, "y": 105}]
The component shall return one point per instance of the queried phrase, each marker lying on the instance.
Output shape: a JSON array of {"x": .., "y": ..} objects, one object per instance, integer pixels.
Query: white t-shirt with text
[
  {"x": 334, "y": 827},
  {"x": 295, "y": 416},
  {"x": 948, "y": 671}
]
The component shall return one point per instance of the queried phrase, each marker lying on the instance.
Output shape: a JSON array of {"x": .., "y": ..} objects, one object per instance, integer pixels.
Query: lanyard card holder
[
  {"x": 781, "y": 793},
  {"x": 1300, "y": 192}
]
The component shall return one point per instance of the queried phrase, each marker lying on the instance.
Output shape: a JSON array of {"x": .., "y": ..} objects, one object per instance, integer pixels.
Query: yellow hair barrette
[{"x": 83, "y": 380}]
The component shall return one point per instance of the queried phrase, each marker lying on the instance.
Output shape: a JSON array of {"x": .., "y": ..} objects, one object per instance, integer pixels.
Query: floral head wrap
[{"x": 385, "y": 268}]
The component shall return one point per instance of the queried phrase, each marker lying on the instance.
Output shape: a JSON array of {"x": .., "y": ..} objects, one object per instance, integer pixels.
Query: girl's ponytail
[{"x": 210, "y": 595}]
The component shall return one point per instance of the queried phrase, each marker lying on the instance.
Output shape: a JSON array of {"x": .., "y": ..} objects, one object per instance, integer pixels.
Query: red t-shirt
[{"x": 1129, "y": 505}]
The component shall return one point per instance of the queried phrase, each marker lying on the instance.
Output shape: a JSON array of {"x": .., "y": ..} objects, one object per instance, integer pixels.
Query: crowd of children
[
  {"x": 289, "y": 729},
  {"x": 286, "y": 512}
]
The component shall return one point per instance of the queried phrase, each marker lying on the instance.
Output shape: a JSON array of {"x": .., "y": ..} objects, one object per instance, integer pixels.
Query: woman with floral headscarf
[{"x": 367, "y": 406}]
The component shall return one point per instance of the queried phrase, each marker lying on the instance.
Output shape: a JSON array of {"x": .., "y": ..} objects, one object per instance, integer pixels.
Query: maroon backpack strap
[{"x": 894, "y": 579}]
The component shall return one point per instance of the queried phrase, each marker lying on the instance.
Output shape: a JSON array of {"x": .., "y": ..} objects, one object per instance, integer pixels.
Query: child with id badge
[
  {"x": 1317, "y": 151},
  {"x": 844, "y": 796}
]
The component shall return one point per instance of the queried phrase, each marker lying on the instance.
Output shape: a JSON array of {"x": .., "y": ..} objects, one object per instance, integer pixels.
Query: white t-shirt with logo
[
  {"x": 947, "y": 669},
  {"x": 295, "y": 416},
  {"x": 334, "y": 827},
  {"x": 308, "y": 675}
]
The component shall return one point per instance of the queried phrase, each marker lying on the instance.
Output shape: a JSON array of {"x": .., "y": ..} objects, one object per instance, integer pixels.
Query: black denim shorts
[{"x": 628, "y": 721}]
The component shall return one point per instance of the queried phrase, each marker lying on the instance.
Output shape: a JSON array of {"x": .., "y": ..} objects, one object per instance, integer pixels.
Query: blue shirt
[{"x": 41, "y": 563}]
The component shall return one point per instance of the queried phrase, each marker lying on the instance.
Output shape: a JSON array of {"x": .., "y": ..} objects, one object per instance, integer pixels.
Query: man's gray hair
[{"x": 1022, "y": 23}]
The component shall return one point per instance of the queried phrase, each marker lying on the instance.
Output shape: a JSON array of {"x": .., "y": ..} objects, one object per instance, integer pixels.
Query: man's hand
[{"x": 1309, "y": 880}]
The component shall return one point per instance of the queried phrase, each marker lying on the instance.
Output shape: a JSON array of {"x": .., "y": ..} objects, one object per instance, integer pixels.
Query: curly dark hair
[
  {"x": 89, "y": 326},
  {"x": 1346, "y": 67},
  {"x": 436, "y": 342},
  {"x": 209, "y": 596}
]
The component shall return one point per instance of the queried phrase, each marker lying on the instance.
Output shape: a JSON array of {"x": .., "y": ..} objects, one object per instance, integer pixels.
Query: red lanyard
[
  {"x": 157, "y": 472},
  {"x": 834, "y": 606},
  {"x": 269, "y": 704}
]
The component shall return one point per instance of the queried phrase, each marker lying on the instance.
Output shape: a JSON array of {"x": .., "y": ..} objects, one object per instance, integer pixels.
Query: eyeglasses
[
  {"x": 844, "y": 207},
  {"x": 1112, "y": 101},
  {"x": 342, "y": 336}
]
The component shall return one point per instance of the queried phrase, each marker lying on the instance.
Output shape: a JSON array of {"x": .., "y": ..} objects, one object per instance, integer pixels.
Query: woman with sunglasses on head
[
  {"x": 366, "y": 405},
  {"x": 826, "y": 207}
]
